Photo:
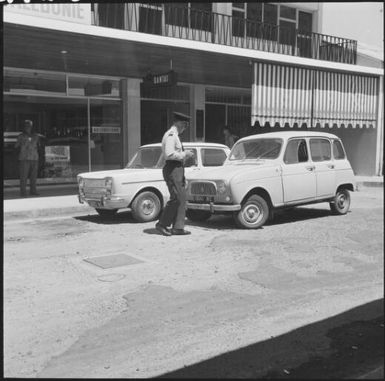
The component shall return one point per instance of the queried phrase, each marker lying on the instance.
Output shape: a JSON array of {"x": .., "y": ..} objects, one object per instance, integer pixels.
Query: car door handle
[
  {"x": 310, "y": 168},
  {"x": 331, "y": 166}
]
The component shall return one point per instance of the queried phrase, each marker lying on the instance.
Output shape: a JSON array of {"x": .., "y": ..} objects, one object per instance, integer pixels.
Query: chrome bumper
[
  {"x": 213, "y": 207},
  {"x": 104, "y": 203}
]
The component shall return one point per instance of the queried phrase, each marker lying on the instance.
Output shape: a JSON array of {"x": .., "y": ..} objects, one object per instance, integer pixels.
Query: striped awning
[
  {"x": 344, "y": 99},
  {"x": 286, "y": 94}
]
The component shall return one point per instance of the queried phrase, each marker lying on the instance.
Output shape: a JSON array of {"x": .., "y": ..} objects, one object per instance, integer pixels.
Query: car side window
[
  {"x": 213, "y": 157},
  {"x": 320, "y": 149},
  {"x": 191, "y": 161},
  {"x": 296, "y": 152},
  {"x": 338, "y": 150}
]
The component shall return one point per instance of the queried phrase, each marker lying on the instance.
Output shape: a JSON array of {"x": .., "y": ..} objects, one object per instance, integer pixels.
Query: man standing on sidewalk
[
  {"x": 28, "y": 145},
  {"x": 173, "y": 173}
]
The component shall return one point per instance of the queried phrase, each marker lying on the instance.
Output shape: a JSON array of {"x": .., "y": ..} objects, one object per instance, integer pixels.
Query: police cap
[{"x": 181, "y": 117}]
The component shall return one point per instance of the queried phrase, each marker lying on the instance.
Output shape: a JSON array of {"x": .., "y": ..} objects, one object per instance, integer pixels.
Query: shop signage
[
  {"x": 77, "y": 13},
  {"x": 160, "y": 80},
  {"x": 57, "y": 153},
  {"x": 106, "y": 130}
]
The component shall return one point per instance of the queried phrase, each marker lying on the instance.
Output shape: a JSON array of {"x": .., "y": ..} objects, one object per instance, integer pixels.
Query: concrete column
[
  {"x": 380, "y": 129},
  {"x": 131, "y": 117},
  {"x": 197, "y": 102}
]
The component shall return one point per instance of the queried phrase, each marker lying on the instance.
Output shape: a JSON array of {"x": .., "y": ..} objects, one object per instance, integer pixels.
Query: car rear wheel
[
  {"x": 146, "y": 207},
  {"x": 254, "y": 213},
  {"x": 341, "y": 203},
  {"x": 106, "y": 213},
  {"x": 197, "y": 215}
]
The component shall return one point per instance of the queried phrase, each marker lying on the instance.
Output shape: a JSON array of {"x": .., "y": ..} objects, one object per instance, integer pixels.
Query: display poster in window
[{"x": 57, "y": 161}]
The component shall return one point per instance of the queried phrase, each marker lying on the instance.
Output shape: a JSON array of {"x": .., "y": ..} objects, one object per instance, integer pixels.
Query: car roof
[
  {"x": 291, "y": 134},
  {"x": 190, "y": 144}
]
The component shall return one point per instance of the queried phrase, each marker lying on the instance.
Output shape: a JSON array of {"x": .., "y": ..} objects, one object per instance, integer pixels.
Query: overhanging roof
[{"x": 39, "y": 48}]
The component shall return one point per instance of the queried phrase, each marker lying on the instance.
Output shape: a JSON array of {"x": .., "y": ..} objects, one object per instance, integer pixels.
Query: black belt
[{"x": 175, "y": 163}]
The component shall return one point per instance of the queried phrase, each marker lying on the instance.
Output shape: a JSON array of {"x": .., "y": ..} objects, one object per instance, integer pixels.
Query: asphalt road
[{"x": 301, "y": 297}]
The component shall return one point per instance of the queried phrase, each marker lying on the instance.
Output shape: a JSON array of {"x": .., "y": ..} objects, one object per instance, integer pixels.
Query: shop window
[
  {"x": 111, "y": 15},
  {"x": 338, "y": 151},
  {"x": 213, "y": 157},
  {"x": 34, "y": 82},
  {"x": 95, "y": 87},
  {"x": 320, "y": 149}
]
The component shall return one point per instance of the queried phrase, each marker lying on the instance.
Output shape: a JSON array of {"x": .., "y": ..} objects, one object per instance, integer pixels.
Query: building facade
[{"x": 98, "y": 80}]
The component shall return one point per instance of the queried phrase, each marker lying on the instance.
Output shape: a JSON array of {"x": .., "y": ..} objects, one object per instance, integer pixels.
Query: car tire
[
  {"x": 106, "y": 213},
  {"x": 254, "y": 213},
  {"x": 341, "y": 202},
  {"x": 197, "y": 215},
  {"x": 146, "y": 207}
]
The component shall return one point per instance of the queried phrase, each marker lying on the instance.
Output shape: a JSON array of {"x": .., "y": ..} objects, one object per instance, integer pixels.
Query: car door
[
  {"x": 324, "y": 167},
  {"x": 298, "y": 177}
]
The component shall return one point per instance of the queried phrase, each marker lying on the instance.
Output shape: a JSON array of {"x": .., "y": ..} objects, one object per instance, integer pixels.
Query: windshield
[
  {"x": 256, "y": 149},
  {"x": 147, "y": 157}
]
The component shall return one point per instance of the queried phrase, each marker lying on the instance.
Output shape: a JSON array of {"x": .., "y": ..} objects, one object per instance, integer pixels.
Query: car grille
[
  {"x": 94, "y": 188},
  {"x": 94, "y": 183},
  {"x": 203, "y": 189}
]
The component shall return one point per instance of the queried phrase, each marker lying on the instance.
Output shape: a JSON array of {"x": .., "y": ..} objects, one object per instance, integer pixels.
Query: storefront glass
[{"x": 78, "y": 134}]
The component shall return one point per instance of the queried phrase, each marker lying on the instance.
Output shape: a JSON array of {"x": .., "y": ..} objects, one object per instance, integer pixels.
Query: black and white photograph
[{"x": 193, "y": 189}]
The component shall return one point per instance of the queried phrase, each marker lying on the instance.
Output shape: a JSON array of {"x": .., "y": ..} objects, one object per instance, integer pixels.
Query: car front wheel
[
  {"x": 341, "y": 202},
  {"x": 197, "y": 215},
  {"x": 254, "y": 213},
  {"x": 146, "y": 207}
]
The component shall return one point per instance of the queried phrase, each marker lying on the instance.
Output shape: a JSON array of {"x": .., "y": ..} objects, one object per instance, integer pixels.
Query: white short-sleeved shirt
[{"x": 171, "y": 145}]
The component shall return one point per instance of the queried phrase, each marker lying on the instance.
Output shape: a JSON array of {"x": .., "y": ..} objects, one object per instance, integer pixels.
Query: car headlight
[
  {"x": 80, "y": 182},
  {"x": 108, "y": 185},
  {"x": 221, "y": 187}
]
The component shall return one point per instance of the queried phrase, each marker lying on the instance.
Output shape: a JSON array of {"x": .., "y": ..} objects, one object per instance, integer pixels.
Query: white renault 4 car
[
  {"x": 274, "y": 170},
  {"x": 140, "y": 185}
]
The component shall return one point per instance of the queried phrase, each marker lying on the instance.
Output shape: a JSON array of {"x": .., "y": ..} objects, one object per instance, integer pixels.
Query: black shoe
[
  {"x": 35, "y": 194},
  {"x": 179, "y": 232},
  {"x": 23, "y": 195},
  {"x": 162, "y": 230}
]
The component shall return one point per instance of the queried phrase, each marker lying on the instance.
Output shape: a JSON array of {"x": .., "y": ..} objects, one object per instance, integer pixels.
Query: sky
[{"x": 361, "y": 21}]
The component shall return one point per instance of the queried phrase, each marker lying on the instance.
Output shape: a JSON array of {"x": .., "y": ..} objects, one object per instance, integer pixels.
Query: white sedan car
[{"x": 140, "y": 185}]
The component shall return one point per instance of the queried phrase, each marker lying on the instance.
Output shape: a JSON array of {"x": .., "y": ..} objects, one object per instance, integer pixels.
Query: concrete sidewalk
[{"x": 32, "y": 207}]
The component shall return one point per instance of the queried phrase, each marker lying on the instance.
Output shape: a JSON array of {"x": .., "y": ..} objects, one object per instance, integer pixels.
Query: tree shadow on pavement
[
  {"x": 124, "y": 217},
  {"x": 348, "y": 345}
]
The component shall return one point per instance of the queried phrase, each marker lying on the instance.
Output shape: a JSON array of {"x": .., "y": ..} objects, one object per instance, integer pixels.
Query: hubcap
[
  {"x": 341, "y": 201},
  {"x": 148, "y": 206},
  {"x": 252, "y": 214}
]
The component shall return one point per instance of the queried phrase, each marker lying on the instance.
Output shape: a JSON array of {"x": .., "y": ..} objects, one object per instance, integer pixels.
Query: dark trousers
[
  {"x": 174, "y": 212},
  {"x": 28, "y": 168}
]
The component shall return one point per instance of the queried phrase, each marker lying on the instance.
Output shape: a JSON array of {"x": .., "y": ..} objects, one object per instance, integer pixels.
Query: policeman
[{"x": 173, "y": 173}]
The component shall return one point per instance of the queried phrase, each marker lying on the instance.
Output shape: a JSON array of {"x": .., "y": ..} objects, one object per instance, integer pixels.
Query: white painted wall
[{"x": 361, "y": 21}]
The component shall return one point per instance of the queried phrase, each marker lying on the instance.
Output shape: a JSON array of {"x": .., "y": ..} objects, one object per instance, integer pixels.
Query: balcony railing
[{"x": 194, "y": 24}]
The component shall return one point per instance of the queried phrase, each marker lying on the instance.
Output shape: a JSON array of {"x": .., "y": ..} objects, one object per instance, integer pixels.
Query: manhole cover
[{"x": 110, "y": 261}]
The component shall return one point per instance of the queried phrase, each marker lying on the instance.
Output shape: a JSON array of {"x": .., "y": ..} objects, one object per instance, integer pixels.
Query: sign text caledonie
[{"x": 79, "y": 13}]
